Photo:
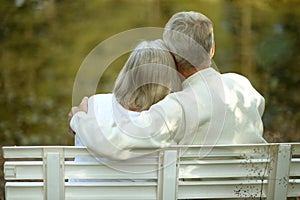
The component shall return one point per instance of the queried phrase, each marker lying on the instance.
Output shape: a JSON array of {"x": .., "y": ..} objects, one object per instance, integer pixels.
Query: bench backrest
[{"x": 269, "y": 171}]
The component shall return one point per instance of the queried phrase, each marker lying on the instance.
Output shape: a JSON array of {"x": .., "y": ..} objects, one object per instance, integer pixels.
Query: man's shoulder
[
  {"x": 235, "y": 77},
  {"x": 241, "y": 84}
]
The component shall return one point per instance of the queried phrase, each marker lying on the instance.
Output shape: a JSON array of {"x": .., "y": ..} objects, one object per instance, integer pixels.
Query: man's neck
[{"x": 189, "y": 72}]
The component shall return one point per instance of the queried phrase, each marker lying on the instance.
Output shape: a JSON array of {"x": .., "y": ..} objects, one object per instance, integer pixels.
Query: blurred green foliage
[{"x": 43, "y": 43}]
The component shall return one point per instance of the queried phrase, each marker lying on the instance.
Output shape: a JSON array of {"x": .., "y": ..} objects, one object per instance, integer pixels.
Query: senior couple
[{"x": 169, "y": 93}]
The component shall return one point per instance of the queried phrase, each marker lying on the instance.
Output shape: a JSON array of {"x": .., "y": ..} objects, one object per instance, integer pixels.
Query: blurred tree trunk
[
  {"x": 247, "y": 55},
  {"x": 154, "y": 12}
]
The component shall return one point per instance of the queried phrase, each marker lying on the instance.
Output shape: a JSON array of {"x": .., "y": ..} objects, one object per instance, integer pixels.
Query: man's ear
[{"x": 212, "y": 50}]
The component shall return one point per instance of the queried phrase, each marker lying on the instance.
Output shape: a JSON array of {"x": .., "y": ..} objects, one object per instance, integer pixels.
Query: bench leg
[{"x": 53, "y": 180}]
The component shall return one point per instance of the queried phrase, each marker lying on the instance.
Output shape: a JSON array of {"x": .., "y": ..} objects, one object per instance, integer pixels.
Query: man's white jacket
[{"x": 212, "y": 108}]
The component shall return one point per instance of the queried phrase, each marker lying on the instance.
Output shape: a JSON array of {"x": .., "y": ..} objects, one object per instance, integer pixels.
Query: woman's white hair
[
  {"x": 148, "y": 76},
  {"x": 189, "y": 36}
]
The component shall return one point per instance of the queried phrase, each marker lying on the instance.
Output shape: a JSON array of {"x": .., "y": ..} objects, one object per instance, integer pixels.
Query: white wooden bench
[{"x": 269, "y": 171}]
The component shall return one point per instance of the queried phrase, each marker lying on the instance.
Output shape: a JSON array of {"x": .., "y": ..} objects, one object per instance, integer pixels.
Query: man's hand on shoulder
[{"x": 82, "y": 107}]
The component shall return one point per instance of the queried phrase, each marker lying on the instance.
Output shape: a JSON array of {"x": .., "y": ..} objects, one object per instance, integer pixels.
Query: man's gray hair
[
  {"x": 189, "y": 36},
  {"x": 147, "y": 77}
]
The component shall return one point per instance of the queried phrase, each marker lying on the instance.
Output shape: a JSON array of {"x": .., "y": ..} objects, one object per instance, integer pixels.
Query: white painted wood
[
  {"x": 237, "y": 189},
  {"x": 24, "y": 190},
  {"x": 280, "y": 170},
  {"x": 53, "y": 179},
  {"x": 256, "y": 171},
  {"x": 169, "y": 171}
]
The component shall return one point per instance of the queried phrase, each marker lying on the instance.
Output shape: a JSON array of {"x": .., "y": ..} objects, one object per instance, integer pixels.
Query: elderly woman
[{"x": 147, "y": 77}]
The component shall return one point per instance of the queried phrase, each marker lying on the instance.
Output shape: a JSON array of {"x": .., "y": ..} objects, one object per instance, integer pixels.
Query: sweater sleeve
[
  {"x": 247, "y": 86},
  {"x": 107, "y": 133},
  {"x": 96, "y": 141}
]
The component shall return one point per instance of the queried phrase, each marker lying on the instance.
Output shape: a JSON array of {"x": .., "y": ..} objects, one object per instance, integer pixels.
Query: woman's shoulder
[
  {"x": 99, "y": 101},
  {"x": 101, "y": 97}
]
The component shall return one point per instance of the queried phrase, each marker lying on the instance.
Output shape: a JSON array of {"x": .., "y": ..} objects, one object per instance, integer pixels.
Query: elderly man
[{"x": 212, "y": 108}]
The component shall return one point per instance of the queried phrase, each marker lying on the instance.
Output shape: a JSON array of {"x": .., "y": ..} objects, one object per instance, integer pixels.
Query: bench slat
[
  {"x": 236, "y": 168},
  {"x": 113, "y": 191},
  {"x": 87, "y": 191},
  {"x": 234, "y": 151},
  {"x": 222, "y": 189},
  {"x": 295, "y": 167},
  {"x": 26, "y": 170},
  {"x": 294, "y": 188},
  {"x": 96, "y": 171},
  {"x": 39, "y": 151},
  {"x": 23, "y": 170},
  {"x": 67, "y": 151},
  {"x": 24, "y": 190}
]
